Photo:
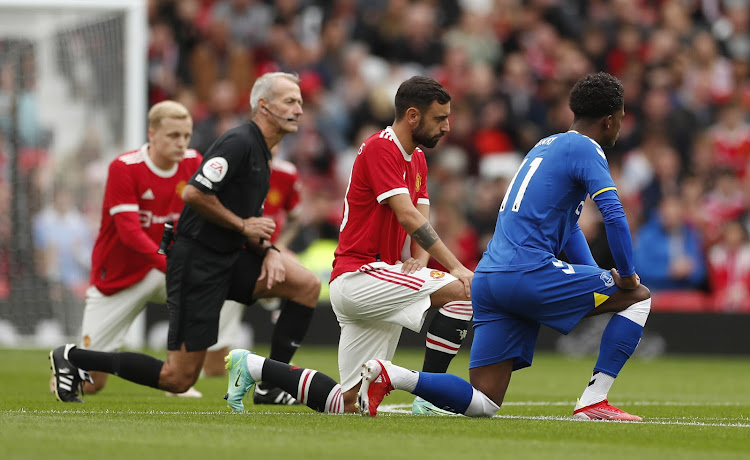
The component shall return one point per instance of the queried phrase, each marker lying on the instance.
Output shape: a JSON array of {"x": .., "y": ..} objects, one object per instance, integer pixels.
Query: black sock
[
  {"x": 290, "y": 330},
  {"x": 444, "y": 337},
  {"x": 135, "y": 367},
  {"x": 314, "y": 394}
]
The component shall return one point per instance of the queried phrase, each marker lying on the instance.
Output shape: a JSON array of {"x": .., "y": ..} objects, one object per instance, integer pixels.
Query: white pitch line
[
  {"x": 660, "y": 421},
  {"x": 406, "y": 409},
  {"x": 631, "y": 403}
]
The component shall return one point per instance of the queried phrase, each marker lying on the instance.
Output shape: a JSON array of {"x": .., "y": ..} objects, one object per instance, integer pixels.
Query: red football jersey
[
  {"x": 283, "y": 194},
  {"x": 370, "y": 229},
  {"x": 138, "y": 199}
]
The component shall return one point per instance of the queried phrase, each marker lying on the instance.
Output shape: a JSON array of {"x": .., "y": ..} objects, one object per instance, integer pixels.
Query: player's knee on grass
[
  {"x": 178, "y": 379},
  {"x": 350, "y": 399},
  {"x": 100, "y": 380},
  {"x": 481, "y": 406}
]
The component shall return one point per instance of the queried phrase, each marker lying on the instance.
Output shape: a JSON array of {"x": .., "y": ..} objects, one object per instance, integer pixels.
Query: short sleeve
[
  {"x": 221, "y": 163},
  {"x": 120, "y": 192},
  {"x": 590, "y": 167},
  {"x": 385, "y": 170}
]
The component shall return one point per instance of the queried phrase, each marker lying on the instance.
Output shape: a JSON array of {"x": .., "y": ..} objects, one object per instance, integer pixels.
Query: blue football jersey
[{"x": 544, "y": 201}]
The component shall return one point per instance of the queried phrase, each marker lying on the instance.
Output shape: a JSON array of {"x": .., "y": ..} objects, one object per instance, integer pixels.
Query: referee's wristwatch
[{"x": 265, "y": 251}]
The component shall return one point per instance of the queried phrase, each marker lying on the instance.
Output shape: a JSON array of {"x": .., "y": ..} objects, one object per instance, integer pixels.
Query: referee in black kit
[{"x": 221, "y": 252}]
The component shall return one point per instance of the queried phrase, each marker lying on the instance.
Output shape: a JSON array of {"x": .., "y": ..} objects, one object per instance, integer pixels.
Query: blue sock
[
  {"x": 445, "y": 391},
  {"x": 619, "y": 340}
]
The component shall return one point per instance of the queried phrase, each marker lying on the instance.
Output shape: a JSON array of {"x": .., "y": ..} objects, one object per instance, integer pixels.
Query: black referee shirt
[{"x": 235, "y": 169}]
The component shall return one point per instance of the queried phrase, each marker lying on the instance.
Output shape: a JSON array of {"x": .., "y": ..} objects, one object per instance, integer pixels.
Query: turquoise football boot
[
  {"x": 240, "y": 381},
  {"x": 423, "y": 407}
]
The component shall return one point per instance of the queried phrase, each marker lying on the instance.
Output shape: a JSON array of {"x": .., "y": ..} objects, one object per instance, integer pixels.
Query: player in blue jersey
[{"x": 520, "y": 283}]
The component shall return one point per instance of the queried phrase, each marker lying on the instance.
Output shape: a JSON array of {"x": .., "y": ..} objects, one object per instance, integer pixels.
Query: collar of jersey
[
  {"x": 390, "y": 130},
  {"x": 155, "y": 169}
]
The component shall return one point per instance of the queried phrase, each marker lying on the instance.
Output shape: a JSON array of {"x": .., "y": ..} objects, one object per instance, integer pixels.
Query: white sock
[
  {"x": 402, "y": 378},
  {"x": 597, "y": 389},
  {"x": 255, "y": 366}
]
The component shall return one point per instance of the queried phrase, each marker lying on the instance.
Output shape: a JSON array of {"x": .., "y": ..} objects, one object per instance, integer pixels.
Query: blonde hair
[
  {"x": 263, "y": 87},
  {"x": 166, "y": 109}
]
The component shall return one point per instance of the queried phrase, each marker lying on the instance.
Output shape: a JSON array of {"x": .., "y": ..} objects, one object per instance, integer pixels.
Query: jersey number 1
[{"x": 533, "y": 166}]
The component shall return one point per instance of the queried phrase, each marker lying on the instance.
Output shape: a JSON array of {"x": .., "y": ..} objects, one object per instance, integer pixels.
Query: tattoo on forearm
[{"x": 425, "y": 236}]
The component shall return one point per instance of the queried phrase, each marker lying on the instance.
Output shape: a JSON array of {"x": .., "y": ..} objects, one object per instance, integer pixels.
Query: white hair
[{"x": 263, "y": 87}]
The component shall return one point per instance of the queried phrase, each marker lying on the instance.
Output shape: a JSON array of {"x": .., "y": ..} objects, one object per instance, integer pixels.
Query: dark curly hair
[
  {"x": 419, "y": 92},
  {"x": 596, "y": 95}
]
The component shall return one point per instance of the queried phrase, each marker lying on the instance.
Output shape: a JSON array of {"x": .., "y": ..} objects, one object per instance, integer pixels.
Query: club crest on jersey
[
  {"x": 606, "y": 277},
  {"x": 437, "y": 274},
  {"x": 215, "y": 169},
  {"x": 273, "y": 197},
  {"x": 180, "y": 187},
  {"x": 419, "y": 181}
]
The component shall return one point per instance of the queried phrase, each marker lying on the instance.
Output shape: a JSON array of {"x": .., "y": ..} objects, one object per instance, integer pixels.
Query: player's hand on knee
[
  {"x": 629, "y": 282},
  {"x": 412, "y": 265},
  {"x": 273, "y": 270},
  {"x": 259, "y": 227},
  {"x": 465, "y": 276}
]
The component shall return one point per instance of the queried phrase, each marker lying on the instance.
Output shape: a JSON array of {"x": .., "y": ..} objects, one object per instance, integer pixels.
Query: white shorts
[
  {"x": 106, "y": 319},
  {"x": 372, "y": 305}
]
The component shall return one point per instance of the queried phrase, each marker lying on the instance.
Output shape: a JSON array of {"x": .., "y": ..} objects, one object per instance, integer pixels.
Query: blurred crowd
[{"x": 681, "y": 162}]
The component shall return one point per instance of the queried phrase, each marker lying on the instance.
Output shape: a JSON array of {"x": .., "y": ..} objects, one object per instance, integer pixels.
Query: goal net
[{"x": 72, "y": 96}]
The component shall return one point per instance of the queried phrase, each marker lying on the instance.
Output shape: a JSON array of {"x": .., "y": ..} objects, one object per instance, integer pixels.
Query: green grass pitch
[{"x": 693, "y": 407}]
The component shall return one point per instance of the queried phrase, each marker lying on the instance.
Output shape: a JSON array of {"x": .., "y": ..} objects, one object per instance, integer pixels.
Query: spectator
[
  {"x": 163, "y": 60},
  {"x": 223, "y": 116},
  {"x": 62, "y": 241},
  {"x": 666, "y": 179},
  {"x": 248, "y": 21},
  {"x": 475, "y": 36},
  {"x": 668, "y": 252},
  {"x": 730, "y": 138},
  {"x": 725, "y": 201},
  {"x": 218, "y": 57},
  {"x": 729, "y": 269}
]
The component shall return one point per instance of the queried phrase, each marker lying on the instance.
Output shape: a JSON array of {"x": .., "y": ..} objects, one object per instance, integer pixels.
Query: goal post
[
  {"x": 41, "y": 20},
  {"x": 73, "y": 94}
]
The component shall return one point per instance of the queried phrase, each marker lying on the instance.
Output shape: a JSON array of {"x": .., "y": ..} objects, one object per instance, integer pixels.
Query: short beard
[{"x": 423, "y": 138}]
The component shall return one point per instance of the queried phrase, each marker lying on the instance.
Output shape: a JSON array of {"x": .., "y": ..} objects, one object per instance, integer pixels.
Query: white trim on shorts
[{"x": 372, "y": 305}]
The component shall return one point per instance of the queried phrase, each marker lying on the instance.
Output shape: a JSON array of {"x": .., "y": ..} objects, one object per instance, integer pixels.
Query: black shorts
[{"x": 199, "y": 280}]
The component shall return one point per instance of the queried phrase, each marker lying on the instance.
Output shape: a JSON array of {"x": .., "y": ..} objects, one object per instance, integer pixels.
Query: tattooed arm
[{"x": 425, "y": 236}]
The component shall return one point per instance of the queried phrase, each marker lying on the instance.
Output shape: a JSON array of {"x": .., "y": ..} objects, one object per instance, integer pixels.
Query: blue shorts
[{"x": 510, "y": 306}]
